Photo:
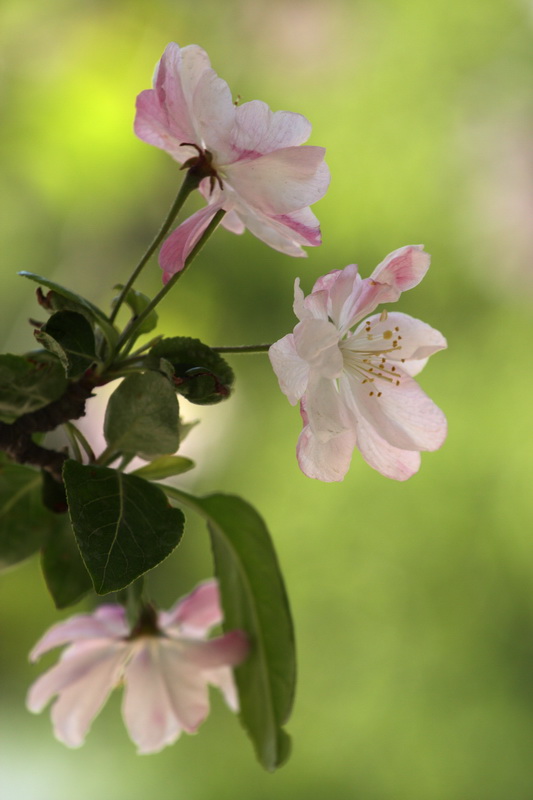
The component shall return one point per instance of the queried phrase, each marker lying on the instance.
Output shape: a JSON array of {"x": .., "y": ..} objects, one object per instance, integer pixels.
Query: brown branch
[{"x": 15, "y": 437}]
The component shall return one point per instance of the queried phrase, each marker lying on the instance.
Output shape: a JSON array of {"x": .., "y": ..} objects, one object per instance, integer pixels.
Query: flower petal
[
  {"x": 83, "y": 678},
  {"x": 222, "y": 651},
  {"x": 291, "y": 370},
  {"x": 223, "y": 679},
  {"x": 107, "y": 621},
  {"x": 149, "y": 713},
  {"x": 317, "y": 342},
  {"x": 403, "y": 414},
  {"x": 412, "y": 338},
  {"x": 283, "y": 181},
  {"x": 179, "y": 244},
  {"x": 324, "y": 460},
  {"x": 402, "y": 269},
  {"x": 390, "y": 461},
  {"x": 258, "y": 130},
  {"x": 196, "y": 613}
]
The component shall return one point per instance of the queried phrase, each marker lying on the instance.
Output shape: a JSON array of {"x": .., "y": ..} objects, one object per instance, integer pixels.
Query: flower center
[
  {"x": 366, "y": 354},
  {"x": 201, "y": 166}
]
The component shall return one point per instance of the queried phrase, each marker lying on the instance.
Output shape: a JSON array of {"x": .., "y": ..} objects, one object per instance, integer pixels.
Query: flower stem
[
  {"x": 190, "y": 183},
  {"x": 245, "y": 348},
  {"x": 130, "y": 329}
]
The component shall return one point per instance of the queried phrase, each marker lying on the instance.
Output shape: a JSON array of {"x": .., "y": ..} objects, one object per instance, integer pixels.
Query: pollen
[{"x": 387, "y": 334}]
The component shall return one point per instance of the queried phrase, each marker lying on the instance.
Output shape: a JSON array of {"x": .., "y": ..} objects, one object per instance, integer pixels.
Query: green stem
[
  {"x": 190, "y": 183},
  {"x": 130, "y": 329},
  {"x": 245, "y": 348},
  {"x": 76, "y": 434}
]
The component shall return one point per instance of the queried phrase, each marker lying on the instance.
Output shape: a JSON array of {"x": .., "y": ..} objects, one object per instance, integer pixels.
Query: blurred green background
[{"x": 413, "y": 602}]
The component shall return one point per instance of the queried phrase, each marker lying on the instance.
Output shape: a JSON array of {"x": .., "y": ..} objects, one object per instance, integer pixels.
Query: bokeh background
[{"x": 413, "y": 602}]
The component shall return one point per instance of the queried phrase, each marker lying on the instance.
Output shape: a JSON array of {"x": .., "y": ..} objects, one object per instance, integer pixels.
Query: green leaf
[
  {"x": 28, "y": 383},
  {"x": 65, "y": 573},
  {"x": 124, "y": 525},
  {"x": 70, "y": 337},
  {"x": 109, "y": 331},
  {"x": 164, "y": 467},
  {"x": 137, "y": 301},
  {"x": 200, "y": 374},
  {"x": 142, "y": 416},
  {"x": 24, "y": 523},
  {"x": 254, "y": 599}
]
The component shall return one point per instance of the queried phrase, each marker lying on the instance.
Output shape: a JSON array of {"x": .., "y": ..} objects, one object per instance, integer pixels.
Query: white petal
[
  {"x": 291, "y": 370},
  {"x": 83, "y": 678},
  {"x": 148, "y": 711},
  {"x": 283, "y": 181},
  {"x": 412, "y": 338},
  {"x": 258, "y": 130},
  {"x": 324, "y": 409},
  {"x": 108, "y": 621},
  {"x": 228, "y": 650},
  {"x": 317, "y": 342},
  {"x": 326, "y": 461},
  {"x": 390, "y": 461},
  {"x": 403, "y": 415},
  {"x": 223, "y": 679}
]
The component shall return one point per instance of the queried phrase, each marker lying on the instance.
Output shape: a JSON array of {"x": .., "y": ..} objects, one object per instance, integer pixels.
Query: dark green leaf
[
  {"x": 164, "y": 467},
  {"x": 124, "y": 525},
  {"x": 142, "y": 416},
  {"x": 65, "y": 574},
  {"x": 200, "y": 374},
  {"x": 137, "y": 301},
  {"x": 24, "y": 523},
  {"x": 109, "y": 331},
  {"x": 254, "y": 599},
  {"x": 70, "y": 337},
  {"x": 28, "y": 383}
]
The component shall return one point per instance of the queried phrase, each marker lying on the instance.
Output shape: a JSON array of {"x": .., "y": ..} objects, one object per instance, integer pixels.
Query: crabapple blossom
[
  {"x": 356, "y": 387},
  {"x": 165, "y": 663},
  {"x": 254, "y": 165}
]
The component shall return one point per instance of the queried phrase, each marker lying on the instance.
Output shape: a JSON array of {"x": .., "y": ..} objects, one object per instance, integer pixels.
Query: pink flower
[
  {"x": 355, "y": 387},
  {"x": 259, "y": 173},
  {"x": 166, "y": 665}
]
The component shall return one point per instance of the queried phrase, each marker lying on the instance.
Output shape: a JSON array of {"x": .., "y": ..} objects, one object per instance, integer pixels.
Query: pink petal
[
  {"x": 179, "y": 244},
  {"x": 326, "y": 461},
  {"x": 402, "y": 269},
  {"x": 197, "y": 612},
  {"x": 283, "y": 181},
  {"x": 83, "y": 678},
  {"x": 343, "y": 288},
  {"x": 258, "y": 130},
  {"x": 273, "y": 233},
  {"x": 390, "y": 461},
  {"x": 108, "y": 621},
  {"x": 223, "y": 679},
  {"x": 291, "y": 370},
  {"x": 222, "y": 651}
]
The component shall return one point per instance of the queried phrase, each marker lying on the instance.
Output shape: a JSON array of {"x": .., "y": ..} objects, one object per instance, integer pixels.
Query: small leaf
[
  {"x": 109, "y": 331},
  {"x": 65, "y": 573},
  {"x": 24, "y": 523},
  {"x": 200, "y": 374},
  {"x": 70, "y": 337},
  {"x": 28, "y": 383},
  {"x": 137, "y": 301},
  {"x": 124, "y": 525},
  {"x": 164, "y": 467},
  {"x": 142, "y": 416},
  {"x": 254, "y": 600}
]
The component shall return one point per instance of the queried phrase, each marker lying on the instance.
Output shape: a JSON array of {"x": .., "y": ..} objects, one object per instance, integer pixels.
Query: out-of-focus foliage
[{"x": 413, "y": 602}]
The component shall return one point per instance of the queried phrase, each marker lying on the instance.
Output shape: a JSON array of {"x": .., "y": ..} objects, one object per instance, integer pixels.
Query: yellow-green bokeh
[{"x": 413, "y": 602}]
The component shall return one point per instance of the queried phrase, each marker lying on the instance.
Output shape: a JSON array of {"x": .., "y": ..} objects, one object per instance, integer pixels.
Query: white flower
[
  {"x": 355, "y": 387},
  {"x": 166, "y": 665},
  {"x": 260, "y": 173}
]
